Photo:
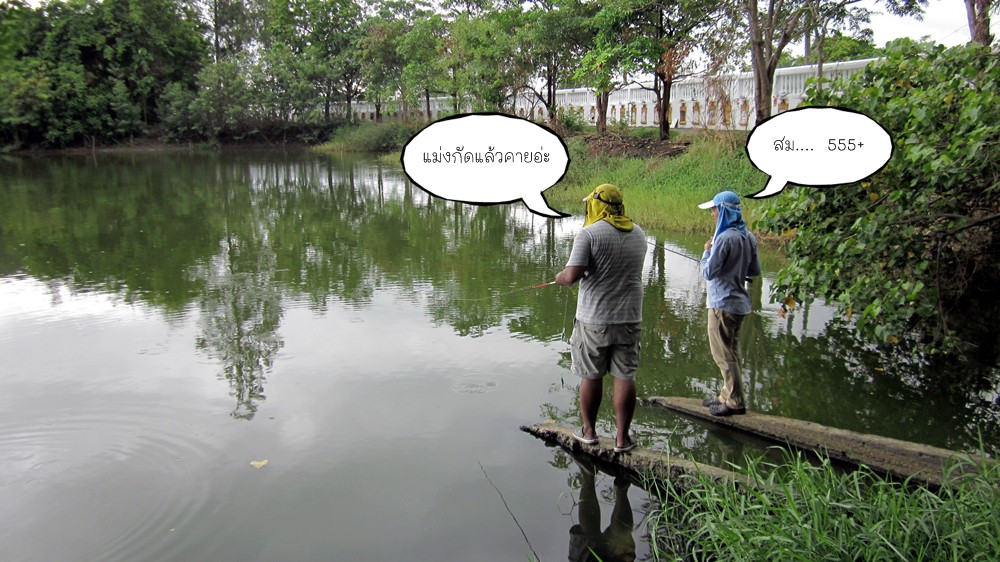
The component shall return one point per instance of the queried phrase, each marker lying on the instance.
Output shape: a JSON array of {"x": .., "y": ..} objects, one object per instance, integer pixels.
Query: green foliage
[
  {"x": 570, "y": 120},
  {"x": 800, "y": 511},
  {"x": 371, "y": 137},
  {"x": 93, "y": 70},
  {"x": 909, "y": 253},
  {"x": 837, "y": 47},
  {"x": 485, "y": 59},
  {"x": 422, "y": 50}
]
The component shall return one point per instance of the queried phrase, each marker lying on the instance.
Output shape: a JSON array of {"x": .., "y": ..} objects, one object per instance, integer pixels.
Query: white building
[{"x": 703, "y": 102}]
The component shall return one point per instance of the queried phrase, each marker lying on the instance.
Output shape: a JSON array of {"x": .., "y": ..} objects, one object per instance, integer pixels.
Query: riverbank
[
  {"x": 663, "y": 181},
  {"x": 662, "y": 192}
]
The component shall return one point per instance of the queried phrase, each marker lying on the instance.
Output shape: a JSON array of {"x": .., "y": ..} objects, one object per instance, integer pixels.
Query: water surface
[{"x": 166, "y": 319}]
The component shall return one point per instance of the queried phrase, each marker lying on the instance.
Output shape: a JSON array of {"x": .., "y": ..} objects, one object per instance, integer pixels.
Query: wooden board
[
  {"x": 640, "y": 461},
  {"x": 902, "y": 459}
]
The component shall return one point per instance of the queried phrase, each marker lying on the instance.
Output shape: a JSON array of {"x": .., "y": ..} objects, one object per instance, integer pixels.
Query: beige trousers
[{"x": 723, "y": 339}]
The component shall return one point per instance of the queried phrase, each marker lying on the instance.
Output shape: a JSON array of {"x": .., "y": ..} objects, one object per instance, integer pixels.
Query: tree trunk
[
  {"x": 761, "y": 80},
  {"x": 764, "y": 53},
  {"x": 820, "y": 39},
  {"x": 978, "y": 12},
  {"x": 667, "y": 83},
  {"x": 763, "y": 84},
  {"x": 602, "y": 111}
]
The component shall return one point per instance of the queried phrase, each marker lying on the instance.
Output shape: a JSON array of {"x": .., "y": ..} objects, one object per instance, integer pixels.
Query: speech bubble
[
  {"x": 486, "y": 159},
  {"x": 817, "y": 146}
]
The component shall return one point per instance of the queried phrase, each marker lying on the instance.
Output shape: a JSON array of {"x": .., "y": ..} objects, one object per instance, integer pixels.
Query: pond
[{"x": 280, "y": 355}]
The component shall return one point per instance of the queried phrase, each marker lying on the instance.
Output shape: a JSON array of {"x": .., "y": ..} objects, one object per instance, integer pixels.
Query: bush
[
  {"x": 372, "y": 137},
  {"x": 910, "y": 253},
  {"x": 570, "y": 120}
]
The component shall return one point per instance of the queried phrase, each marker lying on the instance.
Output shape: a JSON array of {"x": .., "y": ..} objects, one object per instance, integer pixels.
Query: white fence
[{"x": 713, "y": 102}]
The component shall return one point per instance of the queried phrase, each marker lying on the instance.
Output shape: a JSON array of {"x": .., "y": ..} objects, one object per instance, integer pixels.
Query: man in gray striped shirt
[{"x": 607, "y": 259}]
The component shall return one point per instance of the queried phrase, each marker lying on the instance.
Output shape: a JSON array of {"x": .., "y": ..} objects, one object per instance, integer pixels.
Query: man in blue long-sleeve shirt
[{"x": 730, "y": 258}]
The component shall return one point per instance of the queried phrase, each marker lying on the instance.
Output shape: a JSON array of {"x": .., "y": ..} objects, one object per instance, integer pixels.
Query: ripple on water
[
  {"x": 477, "y": 383},
  {"x": 114, "y": 486}
]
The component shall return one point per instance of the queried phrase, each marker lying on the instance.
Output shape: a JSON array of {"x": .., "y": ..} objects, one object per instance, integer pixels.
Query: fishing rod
[{"x": 512, "y": 292}]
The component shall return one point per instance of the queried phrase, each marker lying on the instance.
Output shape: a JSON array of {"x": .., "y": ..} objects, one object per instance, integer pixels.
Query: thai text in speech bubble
[
  {"x": 817, "y": 146},
  {"x": 487, "y": 158}
]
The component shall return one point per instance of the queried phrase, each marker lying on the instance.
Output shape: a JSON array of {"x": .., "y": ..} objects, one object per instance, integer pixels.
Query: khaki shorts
[{"x": 598, "y": 349}]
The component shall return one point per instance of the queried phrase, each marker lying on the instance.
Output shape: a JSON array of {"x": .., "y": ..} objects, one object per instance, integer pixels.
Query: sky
[{"x": 944, "y": 21}]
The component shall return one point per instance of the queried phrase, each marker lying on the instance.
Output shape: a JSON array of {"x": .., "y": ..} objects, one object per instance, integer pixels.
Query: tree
[
  {"x": 421, "y": 49},
  {"x": 601, "y": 68},
  {"x": 783, "y": 22},
  {"x": 323, "y": 34},
  {"x": 662, "y": 38},
  {"x": 838, "y": 47},
  {"x": 378, "y": 51},
  {"x": 486, "y": 63},
  {"x": 555, "y": 35},
  {"x": 24, "y": 102},
  {"x": 232, "y": 25},
  {"x": 910, "y": 253}
]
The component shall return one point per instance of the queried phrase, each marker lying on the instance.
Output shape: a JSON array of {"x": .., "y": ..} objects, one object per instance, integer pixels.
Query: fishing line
[
  {"x": 660, "y": 246},
  {"x": 504, "y": 500},
  {"x": 562, "y": 336}
]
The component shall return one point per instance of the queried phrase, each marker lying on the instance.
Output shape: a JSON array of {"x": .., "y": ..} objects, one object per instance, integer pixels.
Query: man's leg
[
  {"x": 591, "y": 391},
  {"x": 723, "y": 339},
  {"x": 624, "y": 403}
]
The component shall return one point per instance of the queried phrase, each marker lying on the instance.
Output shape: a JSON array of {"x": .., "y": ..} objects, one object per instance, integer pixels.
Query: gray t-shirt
[{"x": 611, "y": 291}]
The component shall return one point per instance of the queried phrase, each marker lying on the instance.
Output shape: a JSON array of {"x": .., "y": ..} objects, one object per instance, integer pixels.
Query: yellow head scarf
[{"x": 606, "y": 203}]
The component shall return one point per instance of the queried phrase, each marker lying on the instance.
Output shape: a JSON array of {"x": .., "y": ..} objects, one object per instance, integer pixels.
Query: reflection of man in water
[
  {"x": 586, "y": 540},
  {"x": 730, "y": 258},
  {"x": 607, "y": 256}
]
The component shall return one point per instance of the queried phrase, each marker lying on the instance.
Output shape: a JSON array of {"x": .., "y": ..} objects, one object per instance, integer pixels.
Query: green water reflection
[{"x": 239, "y": 236}]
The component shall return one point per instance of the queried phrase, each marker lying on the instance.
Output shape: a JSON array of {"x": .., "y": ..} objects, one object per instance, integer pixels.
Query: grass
[
  {"x": 371, "y": 137},
  {"x": 801, "y": 511},
  {"x": 664, "y": 193},
  {"x": 661, "y": 194}
]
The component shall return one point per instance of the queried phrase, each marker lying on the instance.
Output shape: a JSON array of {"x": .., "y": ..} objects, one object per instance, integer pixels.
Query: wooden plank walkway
[
  {"x": 639, "y": 461},
  {"x": 901, "y": 459}
]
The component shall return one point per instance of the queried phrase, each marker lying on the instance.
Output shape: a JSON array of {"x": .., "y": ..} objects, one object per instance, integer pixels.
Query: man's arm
[
  {"x": 754, "y": 269},
  {"x": 714, "y": 259},
  {"x": 570, "y": 275},
  {"x": 579, "y": 259}
]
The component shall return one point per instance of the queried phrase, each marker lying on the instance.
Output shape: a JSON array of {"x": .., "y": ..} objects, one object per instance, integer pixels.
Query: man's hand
[{"x": 708, "y": 245}]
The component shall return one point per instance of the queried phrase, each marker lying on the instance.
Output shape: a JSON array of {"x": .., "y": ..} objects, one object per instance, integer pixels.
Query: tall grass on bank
[
  {"x": 371, "y": 137},
  {"x": 664, "y": 193},
  {"x": 804, "y": 512}
]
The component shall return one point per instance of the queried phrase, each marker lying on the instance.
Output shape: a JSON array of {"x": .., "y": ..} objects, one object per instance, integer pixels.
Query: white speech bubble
[
  {"x": 487, "y": 158},
  {"x": 817, "y": 146}
]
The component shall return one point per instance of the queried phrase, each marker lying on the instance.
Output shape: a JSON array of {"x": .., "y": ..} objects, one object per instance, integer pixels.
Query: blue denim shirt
[{"x": 731, "y": 260}]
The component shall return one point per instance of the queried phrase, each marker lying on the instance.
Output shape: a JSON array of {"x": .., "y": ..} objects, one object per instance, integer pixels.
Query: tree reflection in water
[{"x": 240, "y": 314}]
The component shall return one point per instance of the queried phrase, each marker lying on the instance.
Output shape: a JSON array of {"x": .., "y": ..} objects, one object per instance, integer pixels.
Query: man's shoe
[
  {"x": 710, "y": 402},
  {"x": 723, "y": 410}
]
